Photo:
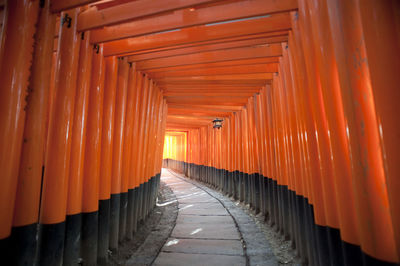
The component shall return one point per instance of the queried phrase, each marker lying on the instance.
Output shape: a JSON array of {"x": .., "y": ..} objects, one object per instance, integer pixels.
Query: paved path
[{"x": 206, "y": 233}]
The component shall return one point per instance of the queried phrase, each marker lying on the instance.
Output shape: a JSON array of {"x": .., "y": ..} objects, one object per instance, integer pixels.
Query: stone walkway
[{"x": 210, "y": 229}]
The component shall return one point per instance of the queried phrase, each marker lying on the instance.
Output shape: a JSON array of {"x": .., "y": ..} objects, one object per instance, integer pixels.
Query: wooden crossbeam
[
  {"x": 188, "y": 122},
  {"x": 177, "y": 126},
  {"x": 229, "y": 70},
  {"x": 187, "y": 18},
  {"x": 94, "y": 18},
  {"x": 60, "y": 5},
  {"x": 206, "y": 119},
  {"x": 272, "y": 50},
  {"x": 199, "y": 107},
  {"x": 210, "y": 47},
  {"x": 195, "y": 113},
  {"x": 178, "y": 47},
  {"x": 277, "y": 22},
  {"x": 210, "y": 86},
  {"x": 254, "y": 83},
  {"x": 204, "y": 100},
  {"x": 167, "y": 92},
  {"x": 252, "y": 76},
  {"x": 222, "y": 64},
  {"x": 222, "y": 94}
]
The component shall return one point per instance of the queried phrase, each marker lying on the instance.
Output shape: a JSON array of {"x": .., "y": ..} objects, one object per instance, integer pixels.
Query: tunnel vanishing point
[{"x": 95, "y": 96}]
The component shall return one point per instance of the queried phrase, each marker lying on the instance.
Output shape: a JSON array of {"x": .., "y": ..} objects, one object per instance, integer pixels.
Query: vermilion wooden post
[
  {"x": 231, "y": 157},
  {"x": 190, "y": 151},
  {"x": 126, "y": 163},
  {"x": 214, "y": 150},
  {"x": 58, "y": 150},
  {"x": 282, "y": 176},
  {"x": 151, "y": 150},
  {"x": 280, "y": 149},
  {"x": 378, "y": 20},
  {"x": 210, "y": 146},
  {"x": 220, "y": 148},
  {"x": 323, "y": 137},
  {"x": 217, "y": 172},
  {"x": 364, "y": 132},
  {"x": 160, "y": 137},
  {"x": 158, "y": 153},
  {"x": 300, "y": 200},
  {"x": 15, "y": 71},
  {"x": 260, "y": 151},
  {"x": 144, "y": 163},
  {"x": 270, "y": 128},
  {"x": 271, "y": 155},
  {"x": 117, "y": 157},
  {"x": 288, "y": 118},
  {"x": 264, "y": 153},
  {"x": 248, "y": 117},
  {"x": 240, "y": 160},
  {"x": 234, "y": 168},
  {"x": 107, "y": 136},
  {"x": 277, "y": 146},
  {"x": 315, "y": 197},
  {"x": 140, "y": 136},
  {"x": 78, "y": 142},
  {"x": 336, "y": 123},
  {"x": 224, "y": 158},
  {"x": 152, "y": 138},
  {"x": 123, "y": 81},
  {"x": 256, "y": 154},
  {"x": 284, "y": 82},
  {"x": 246, "y": 154},
  {"x": 202, "y": 153},
  {"x": 51, "y": 92},
  {"x": 165, "y": 112},
  {"x": 135, "y": 149},
  {"x": 90, "y": 199},
  {"x": 27, "y": 201}
]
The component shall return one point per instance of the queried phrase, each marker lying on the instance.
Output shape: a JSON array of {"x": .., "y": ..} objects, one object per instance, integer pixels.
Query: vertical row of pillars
[
  {"x": 314, "y": 152},
  {"x": 73, "y": 186}
]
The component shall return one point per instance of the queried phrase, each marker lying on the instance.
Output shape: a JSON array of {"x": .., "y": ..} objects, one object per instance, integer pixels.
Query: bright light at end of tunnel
[{"x": 175, "y": 145}]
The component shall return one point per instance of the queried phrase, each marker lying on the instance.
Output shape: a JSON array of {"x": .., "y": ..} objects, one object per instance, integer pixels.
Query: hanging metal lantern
[{"x": 217, "y": 123}]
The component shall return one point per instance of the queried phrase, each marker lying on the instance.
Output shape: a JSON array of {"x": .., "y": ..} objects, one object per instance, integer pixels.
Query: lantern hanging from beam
[{"x": 217, "y": 123}]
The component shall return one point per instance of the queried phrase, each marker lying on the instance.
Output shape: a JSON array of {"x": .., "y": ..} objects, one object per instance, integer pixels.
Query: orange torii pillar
[
  {"x": 134, "y": 183},
  {"x": 365, "y": 114},
  {"x": 91, "y": 176},
  {"x": 75, "y": 182},
  {"x": 123, "y": 76},
  {"x": 160, "y": 144},
  {"x": 15, "y": 61},
  {"x": 142, "y": 120},
  {"x": 143, "y": 83},
  {"x": 310, "y": 144},
  {"x": 107, "y": 136},
  {"x": 128, "y": 140},
  {"x": 26, "y": 212},
  {"x": 116, "y": 181},
  {"x": 56, "y": 174},
  {"x": 151, "y": 151},
  {"x": 384, "y": 76},
  {"x": 336, "y": 122},
  {"x": 145, "y": 139}
]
